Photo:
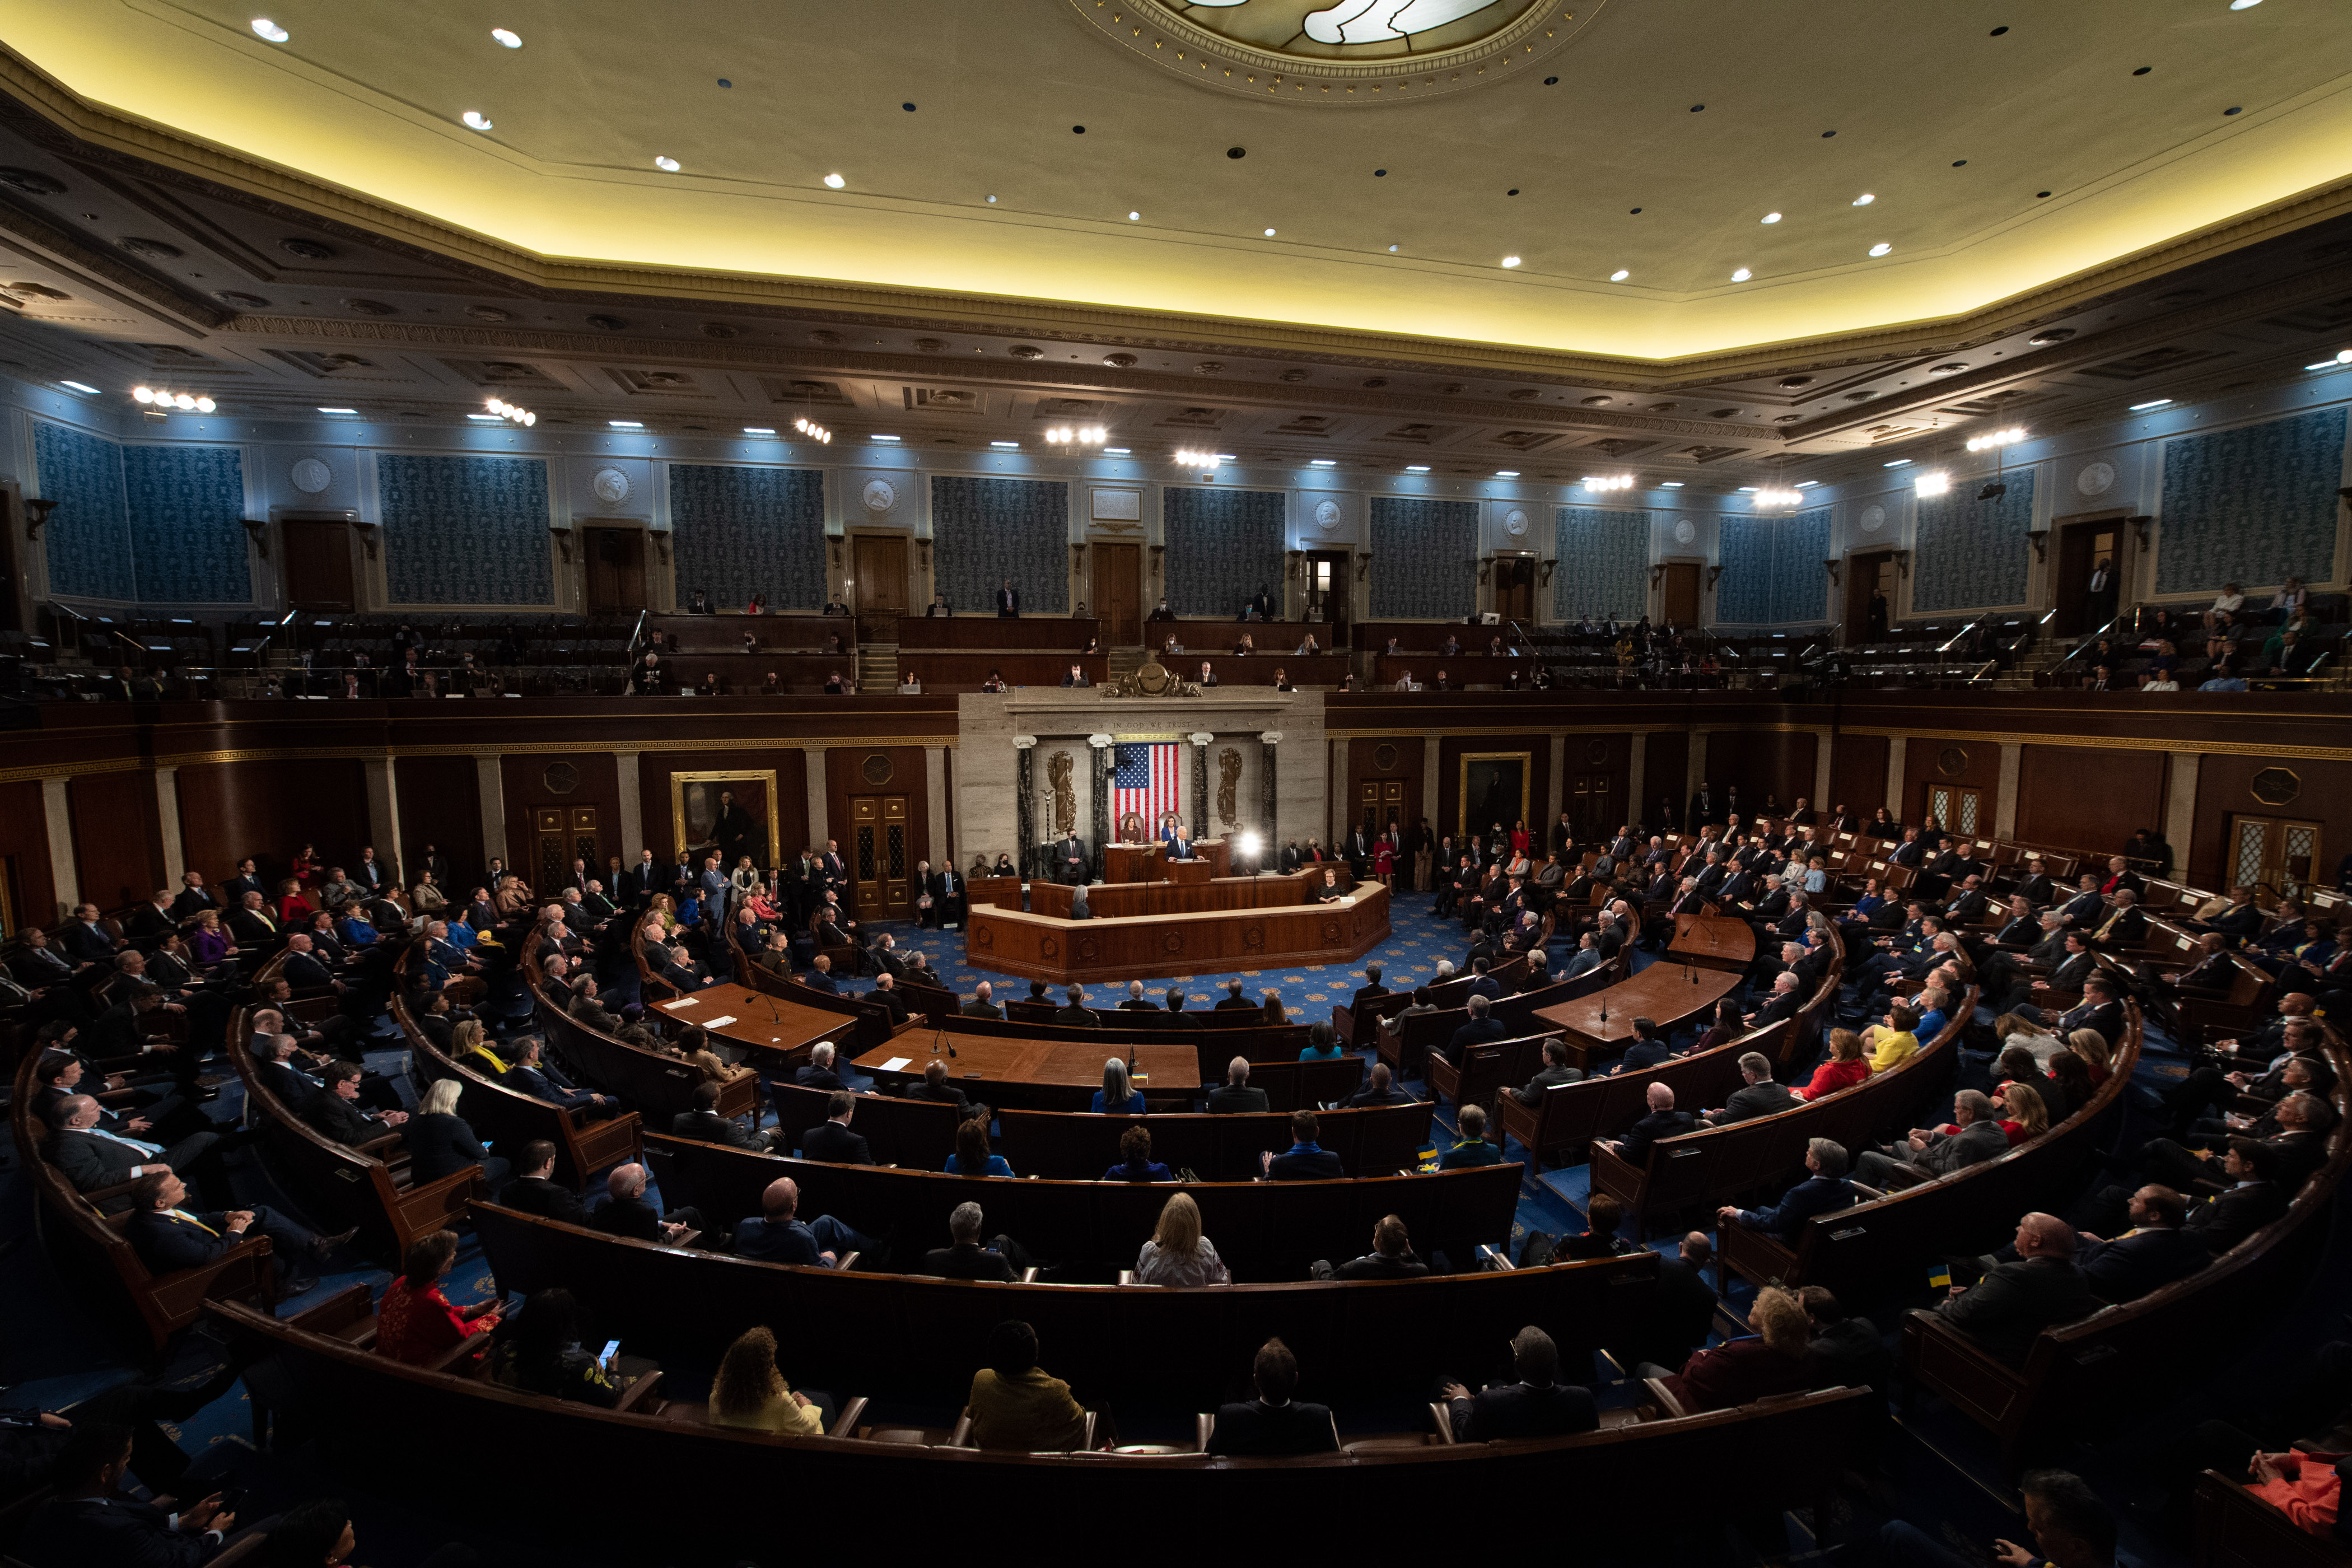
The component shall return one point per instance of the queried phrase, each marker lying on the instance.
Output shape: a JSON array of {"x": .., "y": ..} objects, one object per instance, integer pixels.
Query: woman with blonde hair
[
  {"x": 1271, "y": 1003},
  {"x": 1739, "y": 1372},
  {"x": 2023, "y": 1116},
  {"x": 1178, "y": 1254},
  {"x": 2098, "y": 1056},
  {"x": 751, "y": 1394},
  {"x": 1847, "y": 1066},
  {"x": 469, "y": 1048}
]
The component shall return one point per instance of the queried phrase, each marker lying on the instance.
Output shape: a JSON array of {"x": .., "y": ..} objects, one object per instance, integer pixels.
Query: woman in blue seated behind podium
[
  {"x": 972, "y": 1157},
  {"x": 1117, "y": 1096},
  {"x": 1135, "y": 1155},
  {"x": 1322, "y": 1043}
]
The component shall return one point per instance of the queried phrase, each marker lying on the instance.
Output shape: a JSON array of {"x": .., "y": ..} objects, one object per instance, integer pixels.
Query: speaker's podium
[{"x": 1149, "y": 863}]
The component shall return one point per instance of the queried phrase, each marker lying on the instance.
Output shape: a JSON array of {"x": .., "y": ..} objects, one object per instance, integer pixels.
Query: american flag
[{"x": 1143, "y": 781}]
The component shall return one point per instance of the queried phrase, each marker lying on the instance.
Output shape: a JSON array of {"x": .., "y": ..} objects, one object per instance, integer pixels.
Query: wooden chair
[{"x": 511, "y": 1118}]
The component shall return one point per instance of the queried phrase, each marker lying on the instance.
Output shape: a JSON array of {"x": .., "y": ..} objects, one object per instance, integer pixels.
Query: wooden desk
[
  {"x": 1242, "y": 923},
  {"x": 984, "y": 630},
  {"x": 1144, "y": 863},
  {"x": 790, "y": 1030},
  {"x": 946, "y": 670},
  {"x": 1666, "y": 993},
  {"x": 1712, "y": 941},
  {"x": 1045, "y": 1074},
  {"x": 998, "y": 892}
]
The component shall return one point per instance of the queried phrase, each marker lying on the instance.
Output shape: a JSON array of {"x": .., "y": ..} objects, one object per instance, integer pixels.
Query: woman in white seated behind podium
[
  {"x": 1178, "y": 1254},
  {"x": 1119, "y": 1096}
]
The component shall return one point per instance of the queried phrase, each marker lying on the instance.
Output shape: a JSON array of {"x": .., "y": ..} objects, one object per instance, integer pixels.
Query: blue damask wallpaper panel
[
  {"x": 984, "y": 530},
  {"x": 1222, "y": 547},
  {"x": 1773, "y": 571},
  {"x": 1423, "y": 558},
  {"x": 1604, "y": 563},
  {"x": 88, "y": 537},
  {"x": 739, "y": 531},
  {"x": 465, "y": 530},
  {"x": 2251, "y": 506},
  {"x": 186, "y": 509},
  {"x": 1971, "y": 554}
]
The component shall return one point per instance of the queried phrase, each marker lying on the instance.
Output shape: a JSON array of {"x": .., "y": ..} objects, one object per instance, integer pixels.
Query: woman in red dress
[
  {"x": 1846, "y": 1067},
  {"x": 1520, "y": 836},
  {"x": 293, "y": 909},
  {"x": 307, "y": 865},
  {"x": 415, "y": 1321}
]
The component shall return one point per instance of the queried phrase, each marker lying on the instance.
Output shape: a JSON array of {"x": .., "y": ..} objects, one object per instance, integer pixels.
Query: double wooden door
[
  {"x": 560, "y": 835},
  {"x": 316, "y": 565},
  {"x": 881, "y": 569},
  {"x": 1515, "y": 590},
  {"x": 1681, "y": 606},
  {"x": 1116, "y": 592},
  {"x": 2276, "y": 852},
  {"x": 616, "y": 568},
  {"x": 881, "y": 855}
]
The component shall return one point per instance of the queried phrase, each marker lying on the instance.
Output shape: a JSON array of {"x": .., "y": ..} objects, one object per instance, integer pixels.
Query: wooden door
[
  {"x": 1116, "y": 592},
  {"x": 1593, "y": 803},
  {"x": 1382, "y": 802},
  {"x": 2274, "y": 852},
  {"x": 1515, "y": 591},
  {"x": 316, "y": 564},
  {"x": 2081, "y": 547},
  {"x": 881, "y": 566},
  {"x": 1327, "y": 591},
  {"x": 1681, "y": 606},
  {"x": 1956, "y": 810},
  {"x": 881, "y": 856},
  {"x": 616, "y": 568},
  {"x": 560, "y": 835},
  {"x": 1866, "y": 575}
]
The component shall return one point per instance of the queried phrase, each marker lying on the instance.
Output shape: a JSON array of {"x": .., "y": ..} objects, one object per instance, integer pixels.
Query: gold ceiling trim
[
  {"x": 2112, "y": 742},
  {"x": 235, "y": 176}
]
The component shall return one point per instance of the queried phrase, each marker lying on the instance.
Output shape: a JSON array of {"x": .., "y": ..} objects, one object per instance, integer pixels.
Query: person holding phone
[{"x": 541, "y": 1352}]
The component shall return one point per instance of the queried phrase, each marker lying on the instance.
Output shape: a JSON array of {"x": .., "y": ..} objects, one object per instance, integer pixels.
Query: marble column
[
  {"x": 630, "y": 804},
  {"x": 1896, "y": 745},
  {"x": 820, "y": 815},
  {"x": 1824, "y": 753},
  {"x": 1098, "y": 807},
  {"x": 56, "y": 815},
  {"x": 1341, "y": 810},
  {"x": 1637, "y": 777},
  {"x": 489, "y": 785},
  {"x": 1433, "y": 786},
  {"x": 2004, "y": 811},
  {"x": 1267, "y": 743},
  {"x": 383, "y": 815},
  {"x": 1200, "y": 739},
  {"x": 1555, "y": 788},
  {"x": 935, "y": 790},
  {"x": 2180, "y": 810},
  {"x": 167, "y": 817},
  {"x": 1694, "y": 776}
]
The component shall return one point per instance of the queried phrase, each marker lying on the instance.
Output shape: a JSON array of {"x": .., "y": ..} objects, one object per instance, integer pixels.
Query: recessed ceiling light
[
  {"x": 626, "y": 424},
  {"x": 668, "y": 165},
  {"x": 2343, "y": 356},
  {"x": 1392, "y": 250},
  {"x": 488, "y": 418},
  {"x": 991, "y": 201},
  {"x": 1864, "y": 199},
  {"x": 1618, "y": 275},
  {"x": 1269, "y": 234},
  {"x": 80, "y": 387},
  {"x": 1742, "y": 275},
  {"x": 326, "y": 410},
  {"x": 1897, "y": 463},
  {"x": 474, "y": 121},
  {"x": 1807, "y": 484},
  {"x": 834, "y": 182},
  {"x": 508, "y": 37},
  {"x": 1881, "y": 248},
  {"x": 1771, "y": 217},
  {"x": 1416, "y": 468},
  {"x": 2323, "y": 365},
  {"x": 1322, "y": 462},
  {"x": 1750, "y": 490},
  {"x": 1510, "y": 261},
  {"x": 2156, "y": 403},
  {"x": 1135, "y": 217},
  {"x": 882, "y": 438},
  {"x": 1107, "y": 451},
  {"x": 265, "y": 27},
  {"x": 759, "y": 429},
  {"x": 1507, "y": 473},
  {"x": 1932, "y": 484},
  {"x": 2243, "y": 5},
  {"x": 1670, "y": 484},
  {"x": 1006, "y": 446}
]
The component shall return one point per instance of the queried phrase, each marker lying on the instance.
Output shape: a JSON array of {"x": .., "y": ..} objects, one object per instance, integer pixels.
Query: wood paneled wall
[
  {"x": 1972, "y": 765},
  {"x": 1775, "y": 764},
  {"x": 2225, "y": 788},
  {"x": 440, "y": 808},
  {"x": 1536, "y": 744},
  {"x": 846, "y": 776},
  {"x": 2057, "y": 803},
  {"x": 1405, "y": 758},
  {"x": 268, "y": 810},
  {"x": 1857, "y": 774},
  {"x": 24, "y": 851},
  {"x": 1664, "y": 769},
  {"x": 117, "y": 837},
  {"x": 658, "y": 822}
]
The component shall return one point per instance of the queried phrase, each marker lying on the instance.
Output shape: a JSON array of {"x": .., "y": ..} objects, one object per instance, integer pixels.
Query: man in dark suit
[
  {"x": 1273, "y": 1423},
  {"x": 532, "y": 1075},
  {"x": 1555, "y": 1071},
  {"x": 334, "y": 1112},
  {"x": 1648, "y": 1048},
  {"x": 1662, "y": 1122},
  {"x": 1305, "y": 1159},
  {"x": 1234, "y": 1095},
  {"x": 2014, "y": 1302},
  {"x": 2154, "y": 1253},
  {"x": 966, "y": 1259},
  {"x": 153, "y": 921},
  {"x": 1536, "y": 1406},
  {"x": 92, "y": 1156},
  {"x": 1369, "y": 991},
  {"x": 625, "y": 1211},
  {"x": 1481, "y": 1030},
  {"x": 1379, "y": 1089},
  {"x": 1070, "y": 861},
  {"x": 1177, "y": 1017},
  {"x": 250, "y": 923},
  {"x": 1681, "y": 1314},
  {"x": 1392, "y": 1257},
  {"x": 194, "y": 897},
  {"x": 1825, "y": 1190},
  {"x": 703, "y": 1122},
  {"x": 1008, "y": 601},
  {"x": 84, "y": 940},
  {"x": 1233, "y": 998},
  {"x": 1760, "y": 1097},
  {"x": 982, "y": 1004},
  {"x": 831, "y": 1140},
  {"x": 886, "y": 996},
  {"x": 2253, "y": 1202},
  {"x": 936, "y": 1089},
  {"x": 169, "y": 1238},
  {"x": 777, "y": 1234},
  {"x": 2123, "y": 924},
  {"x": 302, "y": 970},
  {"x": 1075, "y": 1010},
  {"x": 536, "y": 1192},
  {"x": 820, "y": 976},
  {"x": 91, "y": 1523},
  {"x": 1178, "y": 845},
  {"x": 1137, "y": 1002},
  {"x": 818, "y": 1072}
]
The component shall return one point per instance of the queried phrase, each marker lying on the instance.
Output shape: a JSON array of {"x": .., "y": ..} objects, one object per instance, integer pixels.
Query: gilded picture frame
[
  {"x": 1462, "y": 799},
  {"x": 694, "y": 799}
]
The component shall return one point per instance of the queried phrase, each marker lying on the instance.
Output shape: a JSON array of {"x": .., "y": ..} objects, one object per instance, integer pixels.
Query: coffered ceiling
[{"x": 308, "y": 223}]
